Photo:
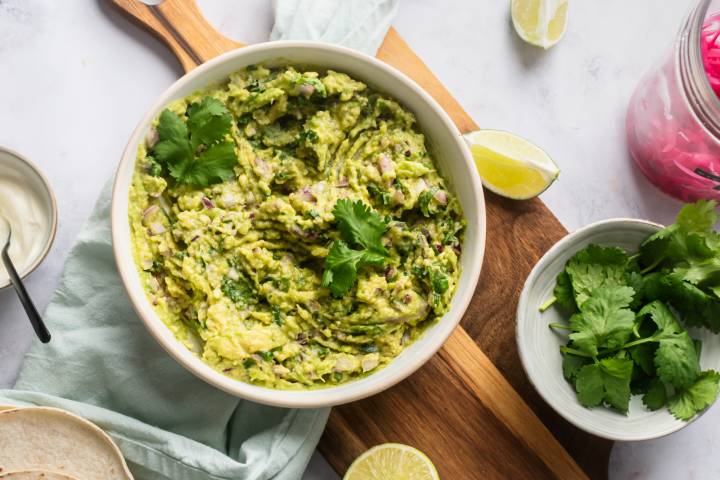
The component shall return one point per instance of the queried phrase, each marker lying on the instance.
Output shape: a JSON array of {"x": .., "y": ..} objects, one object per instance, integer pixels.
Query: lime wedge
[
  {"x": 392, "y": 461},
  {"x": 540, "y": 22},
  {"x": 511, "y": 166}
]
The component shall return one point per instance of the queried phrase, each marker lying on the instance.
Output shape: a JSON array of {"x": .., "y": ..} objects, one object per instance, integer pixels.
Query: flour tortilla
[
  {"x": 52, "y": 439},
  {"x": 35, "y": 475}
]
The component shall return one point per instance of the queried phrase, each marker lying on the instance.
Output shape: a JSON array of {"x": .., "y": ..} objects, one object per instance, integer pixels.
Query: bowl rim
[
  {"x": 557, "y": 249},
  {"x": 308, "y": 398},
  {"x": 50, "y": 194}
]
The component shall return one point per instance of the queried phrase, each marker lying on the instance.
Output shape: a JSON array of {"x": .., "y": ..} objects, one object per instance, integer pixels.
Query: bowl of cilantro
[{"x": 617, "y": 324}]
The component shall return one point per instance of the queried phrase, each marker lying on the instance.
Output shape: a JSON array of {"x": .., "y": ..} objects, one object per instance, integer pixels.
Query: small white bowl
[
  {"x": 12, "y": 163},
  {"x": 539, "y": 346}
]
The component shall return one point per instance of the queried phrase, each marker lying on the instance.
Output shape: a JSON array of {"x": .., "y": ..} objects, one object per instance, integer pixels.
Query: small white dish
[
  {"x": 539, "y": 346},
  {"x": 33, "y": 184}
]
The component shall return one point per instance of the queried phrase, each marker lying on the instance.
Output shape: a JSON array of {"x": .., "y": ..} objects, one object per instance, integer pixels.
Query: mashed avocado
[{"x": 231, "y": 229}]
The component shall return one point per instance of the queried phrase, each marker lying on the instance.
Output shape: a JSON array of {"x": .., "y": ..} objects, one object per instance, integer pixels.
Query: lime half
[
  {"x": 511, "y": 166},
  {"x": 392, "y": 461},
  {"x": 540, "y": 22}
]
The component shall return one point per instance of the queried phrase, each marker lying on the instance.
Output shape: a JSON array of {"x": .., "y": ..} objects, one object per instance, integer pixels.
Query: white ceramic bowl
[
  {"x": 17, "y": 166},
  {"x": 450, "y": 151},
  {"x": 539, "y": 346}
]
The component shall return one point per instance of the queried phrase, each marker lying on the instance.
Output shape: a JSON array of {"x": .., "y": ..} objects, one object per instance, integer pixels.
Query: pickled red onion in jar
[
  {"x": 668, "y": 142},
  {"x": 710, "y": 48}
]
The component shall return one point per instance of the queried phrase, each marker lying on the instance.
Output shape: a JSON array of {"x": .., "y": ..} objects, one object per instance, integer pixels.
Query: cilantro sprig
[
  {"x": 197, "y": 152},
  {"x": 361, "y": 227},
  {"x": 625, "y": 334}
]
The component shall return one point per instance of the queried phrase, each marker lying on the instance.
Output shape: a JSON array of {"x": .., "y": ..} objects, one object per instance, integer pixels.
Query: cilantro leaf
[
  {"x": 690, "y": 236},
  {"x": 696, "y": 307},
  {"x": 656, "y": 395},
  {"x": 572, "y": 364},
  {"x": 604, "y": 320},
  {"x": 700, "y": 272},
  {"x": 662, "y": 317},
  {"x": 687, "y": 403},
  {"x": 644, "y": 357},
  {"x": 173, "y": 147},
  {"x": 607, "y": 381},
  {"x": 596, "y": 266},
  {"x": 676, "y": 359},
  {"x": 342, "y": 265},
  {"x": 360, "y": 225},
  {"x": 212, "y": 166},
  {"x": 698, "y": 217},
  {"x": 564, "y": 293},
  {"x": 240, "y": 291},
  {"x": 209, "y": 121},
  {"x": 196, "y": 153},
  {"x": 425, "y": 201}
]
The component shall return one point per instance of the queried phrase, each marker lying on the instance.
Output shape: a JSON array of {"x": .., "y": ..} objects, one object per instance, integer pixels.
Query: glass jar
[{"x": 673, "y": 120}]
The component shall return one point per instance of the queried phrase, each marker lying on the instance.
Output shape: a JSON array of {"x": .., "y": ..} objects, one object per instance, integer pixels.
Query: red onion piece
[
  {"x": 306, "y": 195},
  {"x": 208, "y": 203},
  {"x": 262, "y": 167},
  {"x": 306, "y": 90},
  {"x": 419, "y": 186},
  {"x": 441, "y": 197},
  {"x": 307, "y": 234},
  {"x": 150, "y": 210},
  {"x": 386, "y": 166},
  {"x": 151, "y": 138},
  {"x": 229, "y": 200},
  {"x": 343, "y": 365},
  {"x": 369, "y": 363},
  {"x": 156, "y": 228}
]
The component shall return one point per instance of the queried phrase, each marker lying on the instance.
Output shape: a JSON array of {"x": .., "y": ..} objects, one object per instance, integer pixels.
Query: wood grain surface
[{"x": 471, "y": 407}]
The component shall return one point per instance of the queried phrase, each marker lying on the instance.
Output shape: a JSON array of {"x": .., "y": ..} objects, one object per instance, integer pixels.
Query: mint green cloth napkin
[
  {"x": 358, "y": 24},
  {"x": 103, "y": 365}
]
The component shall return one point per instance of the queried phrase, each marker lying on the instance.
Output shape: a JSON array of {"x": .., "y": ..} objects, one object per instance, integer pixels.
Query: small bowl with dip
[{"x": 27, "y": 202}]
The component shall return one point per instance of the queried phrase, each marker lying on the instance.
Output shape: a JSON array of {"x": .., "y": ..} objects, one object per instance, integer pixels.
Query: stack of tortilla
[{"x": 40, "y": 443}]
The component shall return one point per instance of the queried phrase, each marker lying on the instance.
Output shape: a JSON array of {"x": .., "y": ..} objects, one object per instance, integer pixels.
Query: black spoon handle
[{"x": 32, "y": 313}]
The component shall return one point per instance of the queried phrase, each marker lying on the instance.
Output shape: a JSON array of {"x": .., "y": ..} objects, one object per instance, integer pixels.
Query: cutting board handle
[{"x": 182, "y": 27}]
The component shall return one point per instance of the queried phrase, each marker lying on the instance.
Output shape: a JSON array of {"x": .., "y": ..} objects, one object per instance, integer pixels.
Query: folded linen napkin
[
  {"x": 104, "y": 366},
  {"x": 358, "y": 24}
]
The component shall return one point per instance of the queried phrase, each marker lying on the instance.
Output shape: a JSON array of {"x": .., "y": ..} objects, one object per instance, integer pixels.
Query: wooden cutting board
[{"x": 471, "y": 407}]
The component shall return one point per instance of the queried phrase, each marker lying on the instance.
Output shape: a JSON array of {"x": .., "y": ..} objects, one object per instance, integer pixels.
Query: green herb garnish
[
  {"x": 624, "y": 336},
  {"x": 197, "y": 153},
  {"x": 359, "y": 226}
]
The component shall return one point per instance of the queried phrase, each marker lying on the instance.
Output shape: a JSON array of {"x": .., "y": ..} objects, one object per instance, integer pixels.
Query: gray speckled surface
[{"x": 77, "y": 76}]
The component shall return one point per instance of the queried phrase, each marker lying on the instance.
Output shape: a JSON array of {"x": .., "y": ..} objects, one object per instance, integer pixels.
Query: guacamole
[{"x": 235, "y": 209}]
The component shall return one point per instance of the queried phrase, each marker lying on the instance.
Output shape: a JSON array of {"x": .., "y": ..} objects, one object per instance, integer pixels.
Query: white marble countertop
[{"x": 76, "y": 77}]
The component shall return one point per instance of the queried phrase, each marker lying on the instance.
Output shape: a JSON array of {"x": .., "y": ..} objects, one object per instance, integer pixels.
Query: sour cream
[{"x": 26, "y": 203}]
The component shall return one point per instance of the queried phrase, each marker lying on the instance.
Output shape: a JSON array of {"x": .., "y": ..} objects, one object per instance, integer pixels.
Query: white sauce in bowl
[{"x": 27, "y": 204}]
